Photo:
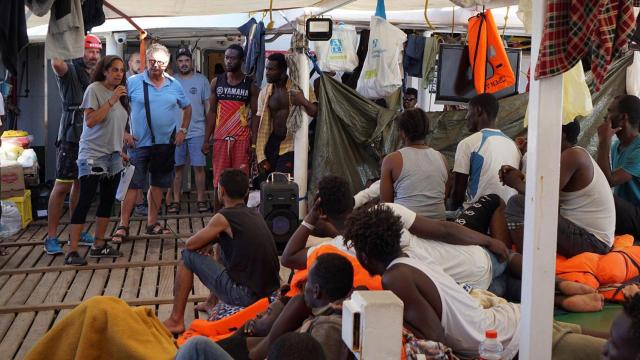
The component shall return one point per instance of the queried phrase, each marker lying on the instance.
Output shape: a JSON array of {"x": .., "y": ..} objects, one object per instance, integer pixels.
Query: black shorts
[
  {"x": 477, "y": 216},
  {"x": 66, "y": 164}
]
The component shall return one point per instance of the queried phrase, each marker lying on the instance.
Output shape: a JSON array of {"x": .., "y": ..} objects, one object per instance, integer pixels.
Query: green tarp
[{"x": 353, "y": 133}]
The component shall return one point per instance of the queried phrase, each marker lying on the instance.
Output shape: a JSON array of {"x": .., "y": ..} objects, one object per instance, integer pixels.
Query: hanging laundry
[
  {"x": 572, "y": 28},
  {"x": 431, "y": 48},
  {"x": 485, "y": 45},
  {"x": 65, "y": 37},
  {"x": 254, "y": 59},
  {"x": 92, "y": 14},
  {"x": 13, "y": 33},
  {"x": 381, "y": 74},
  {"x": 413, "y": 55},
  {"x": 340, "y": 52}
]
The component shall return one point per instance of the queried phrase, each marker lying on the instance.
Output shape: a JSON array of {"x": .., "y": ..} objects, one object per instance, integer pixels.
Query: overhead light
[{"x": 319, "y": 29}]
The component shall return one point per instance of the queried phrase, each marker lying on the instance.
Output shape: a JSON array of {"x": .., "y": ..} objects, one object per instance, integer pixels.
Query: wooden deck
[{"x": 37, "y": 290}]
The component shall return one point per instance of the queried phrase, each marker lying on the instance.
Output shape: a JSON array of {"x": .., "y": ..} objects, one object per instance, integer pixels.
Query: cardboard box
[
  {"x": 11, "y": 181},
  {"x": 31, "y": 175}
]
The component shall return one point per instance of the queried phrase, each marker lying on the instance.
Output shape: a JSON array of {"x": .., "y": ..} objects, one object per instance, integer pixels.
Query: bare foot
[
  {"x": 174, "y": 327},
  {"x": 204, "y": 307},
  {"x": 570, "y": 288},
  {"x": 583, "y": 303}
]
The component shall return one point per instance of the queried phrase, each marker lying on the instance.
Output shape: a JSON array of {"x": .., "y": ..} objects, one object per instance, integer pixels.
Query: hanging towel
[
  {"x": 65, "y": 37},
  {"x": 431, "y": 48},
  {"x": 13, "y": 33},
  {"x": 254, "y": 51},
  {"x": 92, "y": 14},
  {"x": 413, "y": 55}
]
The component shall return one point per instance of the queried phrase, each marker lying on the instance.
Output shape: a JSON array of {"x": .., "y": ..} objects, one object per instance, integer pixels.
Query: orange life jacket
[
  {"x": 223, "y": 328},
  {"x": 361, "y": 277},
  {"x": 485, "y": 45},
  {"x": 605, "y": 272}
]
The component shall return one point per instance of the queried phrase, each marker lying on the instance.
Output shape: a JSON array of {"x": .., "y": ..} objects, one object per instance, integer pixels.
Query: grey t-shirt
[
  {"x": 106, "y": 137},
  {"x": 198, "y": 90}
]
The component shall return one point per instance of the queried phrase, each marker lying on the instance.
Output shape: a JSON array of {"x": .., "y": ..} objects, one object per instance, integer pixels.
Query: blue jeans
[
  {"x": 498, "y": 284},
  {"x": 216, "y": 278},
  {"x": 104, "y": 165},
  {"x": 201, "y": 348}
]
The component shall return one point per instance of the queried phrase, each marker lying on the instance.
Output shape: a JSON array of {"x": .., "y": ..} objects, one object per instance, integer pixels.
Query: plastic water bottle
[{"x": 490, "y": 348}]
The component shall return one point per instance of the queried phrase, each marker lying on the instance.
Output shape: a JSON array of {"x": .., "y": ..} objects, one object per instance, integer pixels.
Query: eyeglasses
[{"x": 155, "y": 62}]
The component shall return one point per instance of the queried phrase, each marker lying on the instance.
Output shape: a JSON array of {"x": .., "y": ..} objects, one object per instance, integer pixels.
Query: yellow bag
[{"x": 576, "y": 98}]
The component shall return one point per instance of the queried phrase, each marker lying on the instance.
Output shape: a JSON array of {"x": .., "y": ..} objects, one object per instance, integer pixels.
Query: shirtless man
[{"x": 273, "y": 142}]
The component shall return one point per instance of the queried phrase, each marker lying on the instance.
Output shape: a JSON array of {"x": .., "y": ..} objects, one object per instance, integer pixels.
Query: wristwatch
[{"x": 184, "y": 130}]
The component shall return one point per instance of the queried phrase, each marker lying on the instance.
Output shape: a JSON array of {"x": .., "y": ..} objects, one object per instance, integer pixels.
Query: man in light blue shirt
[
  {"x": 198, "y": 90},
  {"x": 166, "y": 101},
  {"x": 620, "y": 160}
]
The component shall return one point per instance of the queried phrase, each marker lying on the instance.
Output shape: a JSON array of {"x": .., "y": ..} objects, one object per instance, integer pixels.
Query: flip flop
[
  {"x": 157, "y": 229},
  {"x": 203, "y": 206}
]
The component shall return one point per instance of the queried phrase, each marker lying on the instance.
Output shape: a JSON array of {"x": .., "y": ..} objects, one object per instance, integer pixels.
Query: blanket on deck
[{"x": 107, "y": 328}]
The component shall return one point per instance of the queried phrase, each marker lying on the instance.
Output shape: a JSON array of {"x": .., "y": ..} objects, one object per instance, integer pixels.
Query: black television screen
[{"x": 455, "y": 77}]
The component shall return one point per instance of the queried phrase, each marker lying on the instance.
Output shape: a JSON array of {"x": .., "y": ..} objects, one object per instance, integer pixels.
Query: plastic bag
[
  {"x": 340, "y": 52},
  {"x": 633, "y": 76},
  {"x": 381, "y": 73},
  {"x": 125, "y": 179},
  {"x": 576, "y": 98},
  {"x": 10, "y": 221}
]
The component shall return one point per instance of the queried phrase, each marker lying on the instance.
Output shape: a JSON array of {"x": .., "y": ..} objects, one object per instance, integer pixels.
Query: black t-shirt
[
  {"x": 72, "y": 86},
  {"x": 250, "y": 256}
]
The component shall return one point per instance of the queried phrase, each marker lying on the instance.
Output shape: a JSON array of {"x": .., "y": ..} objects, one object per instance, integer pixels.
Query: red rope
[{"x": 142, "y": 34}]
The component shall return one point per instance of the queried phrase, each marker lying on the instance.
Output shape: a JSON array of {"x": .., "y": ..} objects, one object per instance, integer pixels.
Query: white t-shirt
[
  {"x": 481, "y": 156},
  {"x": 372, "y": 192},
  {"x": 463, "y": 319},
  {"x": 465, "y": 264}
]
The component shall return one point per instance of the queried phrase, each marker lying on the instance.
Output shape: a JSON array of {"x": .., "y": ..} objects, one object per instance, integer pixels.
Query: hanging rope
[
  {"x": 453, "y": 18},
  {"x": 506, "y": 19},
  {"x": 426, "y": 18},
  {"x": 271, "y": 23}
]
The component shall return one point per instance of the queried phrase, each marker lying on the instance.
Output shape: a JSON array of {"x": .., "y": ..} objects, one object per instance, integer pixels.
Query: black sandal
[
  {"x": 203, "y": 206},
  {"x": 173, "y": 208},
  {"x": 119, "y": 238},
  {"x": 157, "y": 229}
]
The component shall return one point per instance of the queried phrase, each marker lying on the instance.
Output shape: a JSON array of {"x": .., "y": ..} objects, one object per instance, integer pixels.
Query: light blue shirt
[
  {"x": 628, "y": 160},
  {"x": 165, "y": 105},
  {"x": 198, "y": 90}
]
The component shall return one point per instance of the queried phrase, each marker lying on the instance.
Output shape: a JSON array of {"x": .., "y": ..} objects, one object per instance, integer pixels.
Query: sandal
[
  {"x": 119, "y": 238},
  {"x": 173, "y": 208},
  {"x": 157, "y": 229},
  {"x": 203, "y": 206}
]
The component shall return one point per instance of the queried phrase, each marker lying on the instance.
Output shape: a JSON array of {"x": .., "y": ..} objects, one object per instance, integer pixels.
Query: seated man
[
  {"x": 468, "y": 256},
  {"x": 250, "y": 268},
  {"x": 435, "y": 306},
  {"x": 480, "y": 156},
  {"x": 620, "y": 161},
  {"x": 587, "y": 213}
]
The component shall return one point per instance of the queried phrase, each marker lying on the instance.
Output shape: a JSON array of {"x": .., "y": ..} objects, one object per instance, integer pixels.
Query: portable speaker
[{"x": 279, "y": 207}]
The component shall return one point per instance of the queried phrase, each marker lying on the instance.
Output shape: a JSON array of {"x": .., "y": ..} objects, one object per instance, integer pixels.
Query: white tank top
[
  {"x": 592, "y": 208},
  {"x": 421, "y": 184},
  {"x": 463, "y": 319}
]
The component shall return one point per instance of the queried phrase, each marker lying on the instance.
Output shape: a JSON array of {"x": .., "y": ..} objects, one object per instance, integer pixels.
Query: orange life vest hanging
[{"x": 485, "y": 45}]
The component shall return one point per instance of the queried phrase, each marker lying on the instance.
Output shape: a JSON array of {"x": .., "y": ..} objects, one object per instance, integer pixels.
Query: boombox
[{"x": 279, "y": 207}]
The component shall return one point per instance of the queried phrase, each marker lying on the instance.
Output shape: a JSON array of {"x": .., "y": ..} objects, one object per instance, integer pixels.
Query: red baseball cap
[{"x": 92, "y": 42}]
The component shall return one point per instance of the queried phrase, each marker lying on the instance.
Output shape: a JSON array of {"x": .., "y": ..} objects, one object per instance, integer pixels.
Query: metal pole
[
  {"x": 541, "y": 218},
  {"x": 301, "y": 140}
]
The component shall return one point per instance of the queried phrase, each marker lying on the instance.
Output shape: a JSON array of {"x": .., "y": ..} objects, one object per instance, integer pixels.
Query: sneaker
[
  {"x": 141, "y": 210},
  {"x": 73, "y": 258},
  {"x": 104, "y": 252},
  {"x": 52, "y": 246},
  {"x": 86, "y": 239}
]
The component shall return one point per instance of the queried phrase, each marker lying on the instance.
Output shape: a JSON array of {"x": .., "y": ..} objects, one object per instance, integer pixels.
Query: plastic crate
[{"x": 24, "y": 206}]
